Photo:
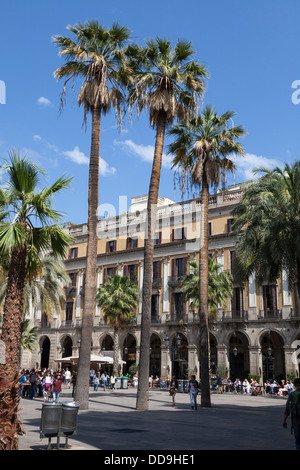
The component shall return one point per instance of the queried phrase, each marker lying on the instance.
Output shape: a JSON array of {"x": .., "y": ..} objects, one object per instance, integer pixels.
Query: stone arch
[
  {"x": 273, "y": 357},
  {"x": 129, "y": 351},
  {"x": 45, "y": 345},
  {"x": 238, "y": 350},
  {"x": 179, "y": 355},
  {"x": 155, "y": 355}
]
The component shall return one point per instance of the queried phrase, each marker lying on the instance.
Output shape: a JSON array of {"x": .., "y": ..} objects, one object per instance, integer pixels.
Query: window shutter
[
  {"x": 173, "y": 234},
  {"x": 107, "y": 247}
]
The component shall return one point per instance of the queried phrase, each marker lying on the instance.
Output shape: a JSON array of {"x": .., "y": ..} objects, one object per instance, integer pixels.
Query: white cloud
[
  {"x": 246, "y": 165},
  {"x": 80, "y": 158},
  {"x": 44, "y": 101},
  {"x": 77, "y": 156},
  {"x": 144, "y": 152}
]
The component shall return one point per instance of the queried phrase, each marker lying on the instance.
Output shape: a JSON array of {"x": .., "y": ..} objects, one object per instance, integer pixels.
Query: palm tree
[
  {"x": 44, "y": 284},
  {"x": 95, "y": 56},
  {"x": 118, "y": 298},
  {"x": 201, "y": 150},
  {"x": 21, "y": 204},
  {"x": 219, "y": 286},
  {"x": 267, "y": 226},
  {"x": 169, "y": 83},
  {"x": 29, "y": 336}
]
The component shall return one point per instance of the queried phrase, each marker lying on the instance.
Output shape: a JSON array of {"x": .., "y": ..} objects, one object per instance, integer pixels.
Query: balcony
[
  {"x": 270, "y": 314},
  {"x": 70, "y": 292},
  {"x": 70, "y": 324},
  {"x": 177, "y": 318},
  {"x": 235, "y": 315},
  {"x": 156, "y": 283},
  {"x": 175, "y": 281},
  {"x": 155, "y": 319}
]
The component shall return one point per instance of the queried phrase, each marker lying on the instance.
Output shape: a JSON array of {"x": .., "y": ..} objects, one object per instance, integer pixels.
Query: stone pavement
[{"x": 234, "y": 422}]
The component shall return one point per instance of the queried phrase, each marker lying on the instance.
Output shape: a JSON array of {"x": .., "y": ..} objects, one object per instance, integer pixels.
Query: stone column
[
  {"x": 99, "y": 282},
  {"x": 78, "y": 296},
  {"x": 166, "y": 306}
]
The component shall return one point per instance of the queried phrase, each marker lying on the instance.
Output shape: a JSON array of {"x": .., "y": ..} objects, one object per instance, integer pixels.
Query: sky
[{"x": 251, "y": 50}]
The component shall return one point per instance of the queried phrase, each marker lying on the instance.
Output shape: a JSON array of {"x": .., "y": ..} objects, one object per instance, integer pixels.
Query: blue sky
[{"x": 251, "y": 50}]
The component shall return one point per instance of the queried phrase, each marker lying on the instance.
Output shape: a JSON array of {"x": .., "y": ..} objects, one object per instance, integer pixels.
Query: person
[
  {"x": 135, "y": 381},
  {"x": 151, "y": 381},
  {"x": 173, "y": 389},
  {"x": 57, "y": 383},
  {"x": 92, "y": 375},
  {"x": 246, "y": 386},
  {"x": 96, "y": 382},
  {"x": 229, "y": 385},
  {"x": 47, "y": 384},
  {"x": 193, "y": 389},
  {"x": 32, "y": 381},
  {"x": 73, "y": 382},
  {"x": 219, "y": 384},
  {"x": 104, "y": 379},
  {"x": 68, "y": 377},
  {"x": 293, "y": 408},
  {"x": 112, "y": 382},
  {"x": 23, "y": 381}
]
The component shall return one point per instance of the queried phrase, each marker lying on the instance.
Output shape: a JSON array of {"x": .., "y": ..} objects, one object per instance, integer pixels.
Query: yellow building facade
[{"x": 257, "y": 333}]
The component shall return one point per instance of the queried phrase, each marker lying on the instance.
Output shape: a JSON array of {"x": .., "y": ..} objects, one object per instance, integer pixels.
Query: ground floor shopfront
[{"x": 268, "y": 350}]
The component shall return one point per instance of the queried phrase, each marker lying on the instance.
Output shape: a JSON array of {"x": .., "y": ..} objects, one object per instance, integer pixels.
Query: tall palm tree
[
  {"x": 118, "y": 298},
  {"x": 95, "y": 56},
  {"x": 201, "y": 150},
  {"x": 267, "y": 226},
  {"x": 22, "y": 204},
  {"x": 167, "y": 82},
  {"x": 219, "y": 286}
]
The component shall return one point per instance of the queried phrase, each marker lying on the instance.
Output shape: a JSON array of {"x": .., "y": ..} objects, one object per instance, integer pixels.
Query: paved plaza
[{"x": 234, "y": 422}]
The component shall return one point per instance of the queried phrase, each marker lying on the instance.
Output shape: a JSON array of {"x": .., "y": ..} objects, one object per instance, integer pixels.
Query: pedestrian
[
  {"x": 92, "y": 375},
  {"x": 68, "y": 377},
  {"x": 47, "y": 384},
  {"x": 23, "y": 380},
  {"x": 293, "y": 408},
  {"x": 112, "y": 382},
  {"x": 73, "y": 382},
  {"x": 32, "y": 381},
  {"x": 173, "y": 389},
  {"x": 193, "y": 389},
  {"x": 104, "y": 379},
  {"x": 96, "y": 382},
  {"x": 57, "y": 383}
]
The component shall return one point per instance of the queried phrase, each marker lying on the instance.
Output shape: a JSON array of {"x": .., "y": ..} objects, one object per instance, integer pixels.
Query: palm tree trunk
[
  {"x": 142, "y": 402},
  {"x": 82, "y": 385},
  {"x": 116, "y": 352},
  {"x": 203, "y": 299},
  {"x": 10, "y": 425}
]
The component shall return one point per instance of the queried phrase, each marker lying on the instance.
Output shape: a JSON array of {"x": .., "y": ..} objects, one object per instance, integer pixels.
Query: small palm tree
[
  {"x": 22, "y": 204},
  {"x": 118, "y": 298},
  {"x": 201, "y": 149},
  {"x": 219, "y": 286},
  {"x": 167, "y": 82},
  {"x": 267, "y": 226},
  {"x": 94, "y": 56}
]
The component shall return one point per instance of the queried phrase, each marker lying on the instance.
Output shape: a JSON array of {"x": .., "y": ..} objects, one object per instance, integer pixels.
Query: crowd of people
[
  {"x": 251, "y": 386},
  {"x": 46, "y": 383}
]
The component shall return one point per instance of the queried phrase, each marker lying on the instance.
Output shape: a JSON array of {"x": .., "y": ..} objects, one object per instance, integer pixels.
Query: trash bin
[
  {"x": 118, "y": 382},
  {"x": 51, "y": 421},
  {"x": 180, "y": 386},
  {"x": 69, "y": 417},
  {"x": 185, "y": 386},
  {"x": 124, "y": 382}
]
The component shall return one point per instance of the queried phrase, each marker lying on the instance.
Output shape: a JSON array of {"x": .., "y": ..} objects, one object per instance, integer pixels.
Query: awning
[{"x": 94, "y": 358}]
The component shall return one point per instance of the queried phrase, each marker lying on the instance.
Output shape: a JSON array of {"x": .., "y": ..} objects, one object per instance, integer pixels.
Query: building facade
[{"x": 258, "y": 333}]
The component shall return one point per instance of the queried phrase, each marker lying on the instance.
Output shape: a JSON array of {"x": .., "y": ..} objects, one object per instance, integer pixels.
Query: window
[
  {"x": 108, "y": 272},
  {"x": 179, "y": 234},
  {"x": 73, "y": 253},
  {"x": 230, "y": 225},
  {"x": 132, "y": 242},
  {"x": 111, "y": 246},
  {"x": 156, "y": 270},
  {"x": 178, "y": 267},
  {"x": 178, "y": 305},
  {"x": 155, "y": 306},
  {"x": 69, "y": 311},
  {"x": 73, "y": 277},
  {"x": 157, "y": 238},
  {"x": 131, "y": 270},
  {"x": 209, "y": 229}
]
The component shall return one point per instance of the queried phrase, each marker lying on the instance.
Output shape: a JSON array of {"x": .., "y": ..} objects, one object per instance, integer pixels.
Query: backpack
[
  {"x": 33, "y": 379},
  {"x": 295, "y": 404}
]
